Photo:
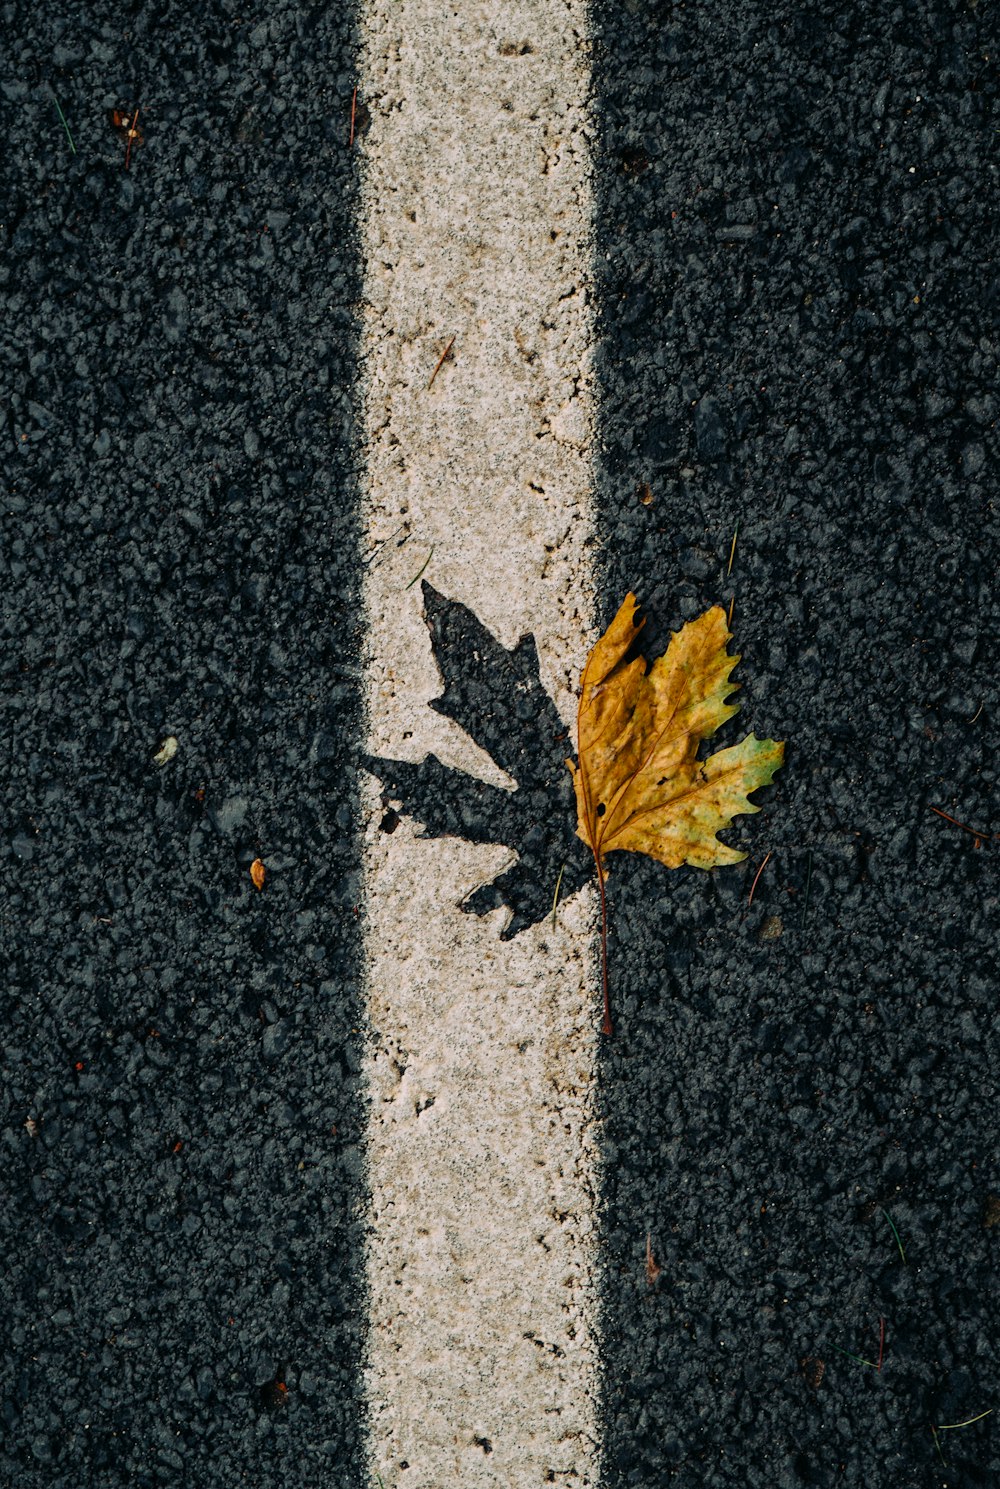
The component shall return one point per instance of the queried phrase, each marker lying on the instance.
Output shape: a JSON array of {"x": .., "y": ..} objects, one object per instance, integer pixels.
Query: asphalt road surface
[{"x": 781, "y": 1202}]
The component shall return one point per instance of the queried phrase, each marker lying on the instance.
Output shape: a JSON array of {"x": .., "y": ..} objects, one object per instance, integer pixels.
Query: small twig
[
  {"x": 937, "y": 1444},
  {"x": 977, "y": 712},
  {"x": 953, "y": 1426},
  {"x": 350, "y": 145},
  {"x": 980, "y": 837},
  {"x": 131, "y": 136},
  {"x": 857, "y": 1358},
  {"x": 729, "y": 617},
  {"x": 606, "y": 1027},
  {"x": 756, "y": 877},
  {"x": 732, "y": 551},
  {"x": 555, "y": 897},
  {"x": 440, "y": 362},
  {"x": 376, "y": 551},
  {"x": 420, "y": 570},
  {"x": 805, "y": 897},
  {"x": 70, "y": 137},
  {"x": 896, "y": 1234}
]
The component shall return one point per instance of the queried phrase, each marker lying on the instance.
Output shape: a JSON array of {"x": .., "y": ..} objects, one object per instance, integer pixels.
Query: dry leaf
[
  {"x": 258, "y": 873},
  {"x": 640, "y": 786}
]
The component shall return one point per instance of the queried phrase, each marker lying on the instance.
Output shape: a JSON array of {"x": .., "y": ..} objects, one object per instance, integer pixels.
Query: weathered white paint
[{"x": 476, "y": 224}]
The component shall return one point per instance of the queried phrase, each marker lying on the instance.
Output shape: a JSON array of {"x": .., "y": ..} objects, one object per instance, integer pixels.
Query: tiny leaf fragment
[{"x": 167, "y": 750}]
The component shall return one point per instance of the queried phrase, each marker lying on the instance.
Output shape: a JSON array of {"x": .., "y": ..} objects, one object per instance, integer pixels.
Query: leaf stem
[{"x": 606, "y": 1027}]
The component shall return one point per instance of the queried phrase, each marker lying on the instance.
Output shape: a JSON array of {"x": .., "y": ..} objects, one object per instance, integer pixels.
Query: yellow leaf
[
  {"x": 258, "y": 873},
  {"x": 640, "y": 786}
]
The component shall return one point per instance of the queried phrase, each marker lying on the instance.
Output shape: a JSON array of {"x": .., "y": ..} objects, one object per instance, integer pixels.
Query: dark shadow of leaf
[{"x": 496, "y": 696}]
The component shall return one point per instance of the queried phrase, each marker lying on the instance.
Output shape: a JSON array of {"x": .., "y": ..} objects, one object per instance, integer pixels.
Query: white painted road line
[{"x": 476, "y": 225}]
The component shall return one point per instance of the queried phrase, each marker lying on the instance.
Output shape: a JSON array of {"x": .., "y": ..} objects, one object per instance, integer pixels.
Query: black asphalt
[
  {"x": 181, "y": 1297},
  {"x": 798, "y": 318},
  {"x": 798, "y": 334}
]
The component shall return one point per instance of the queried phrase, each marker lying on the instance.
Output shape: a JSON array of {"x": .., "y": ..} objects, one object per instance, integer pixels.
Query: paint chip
[{"x": 167, "y": 750}]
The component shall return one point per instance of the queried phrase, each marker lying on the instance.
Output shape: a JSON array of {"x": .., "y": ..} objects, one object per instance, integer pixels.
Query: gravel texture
[
  {"x": 797, "y": 315},
  {"x": 180, "y": 1117},
  {"x": 798, "y": 334}
]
